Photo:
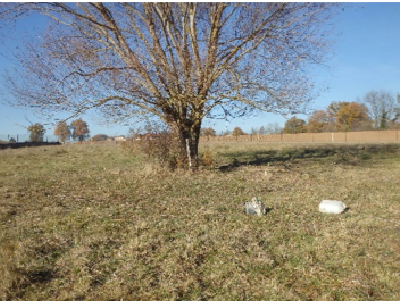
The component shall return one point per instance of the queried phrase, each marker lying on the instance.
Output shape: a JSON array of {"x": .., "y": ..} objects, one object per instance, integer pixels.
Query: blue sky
[{"x": 366, "y": 58}]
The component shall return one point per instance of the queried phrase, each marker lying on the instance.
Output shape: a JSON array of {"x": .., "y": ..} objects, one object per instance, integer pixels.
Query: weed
[{"x": 364, "y": 155}]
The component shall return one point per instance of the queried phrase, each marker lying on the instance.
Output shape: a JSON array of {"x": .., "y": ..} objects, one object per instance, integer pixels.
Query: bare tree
[
  {"x": 382, "y": 108},
  {"x": 180, "y": 62},
  {"x": 273, "y": 128}
]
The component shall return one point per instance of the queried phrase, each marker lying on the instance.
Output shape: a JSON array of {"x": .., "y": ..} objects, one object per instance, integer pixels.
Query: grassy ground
[{"x": 82, "y": 222}]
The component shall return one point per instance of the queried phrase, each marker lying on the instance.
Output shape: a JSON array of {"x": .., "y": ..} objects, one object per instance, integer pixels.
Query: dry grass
[{"x": 92, "y": 222}]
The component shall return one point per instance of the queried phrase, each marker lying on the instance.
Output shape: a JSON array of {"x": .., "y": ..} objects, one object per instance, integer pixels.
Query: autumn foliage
[
  {"x": 294, "y": 126},
  {"x": 62, "y": 131},
  {"x": 237, "y": 131},
  {"x": 340, "y": 116},
  {"x": 80, "y": 129},
  {"x": 36, "y": 132},
  {"x": 208, "y": 132},
  {"x": 351, "y": 116}
]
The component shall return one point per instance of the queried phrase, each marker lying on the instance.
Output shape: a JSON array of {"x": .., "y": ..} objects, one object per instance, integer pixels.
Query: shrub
[
  {"x": 365, "y": 156},
  {"x": 130, "y": 146},
  {"x": 157, "y": 146},
  {"x": 206, "y": 158}
]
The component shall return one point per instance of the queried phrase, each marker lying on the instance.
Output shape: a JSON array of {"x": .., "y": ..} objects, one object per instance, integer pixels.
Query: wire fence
[{"x": 25, "y": 138}]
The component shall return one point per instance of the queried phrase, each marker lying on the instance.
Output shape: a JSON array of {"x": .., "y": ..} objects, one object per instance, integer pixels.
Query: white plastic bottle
[{"x": 332, "y": 207}]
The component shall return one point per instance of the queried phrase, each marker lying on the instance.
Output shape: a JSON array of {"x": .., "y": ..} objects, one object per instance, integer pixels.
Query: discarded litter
[
  {"x": 332, "y": 207},
  {"x": 254, "y": 207}
]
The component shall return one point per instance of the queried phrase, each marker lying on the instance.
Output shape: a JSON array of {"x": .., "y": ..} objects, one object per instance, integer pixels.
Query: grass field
[{"x": 95, "y": 222}]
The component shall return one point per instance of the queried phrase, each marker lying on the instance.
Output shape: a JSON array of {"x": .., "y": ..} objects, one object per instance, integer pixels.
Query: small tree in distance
[
  {"x": 62, "y": 131},
  {"x": 320, "y": 121},
  {"x": 99, "y": 137},
  {"x": 273, "y": 128},
  {"x": 351, "y": 116},
  {"x": 80, "y": 129},
  {"x": 381, "y": 108},
  {"x": 294, "y": 126},
  {"x": 262, "y": 130},
  {"x": 36, "y": 132},
  {"x": 208, "y": 132},
  {"x": 237, "y": 131}
]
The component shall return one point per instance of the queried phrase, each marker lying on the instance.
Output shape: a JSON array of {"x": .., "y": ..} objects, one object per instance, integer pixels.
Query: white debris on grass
[
  {"x": 254, "y": 207},
  {"x": 331, "y": 206}
]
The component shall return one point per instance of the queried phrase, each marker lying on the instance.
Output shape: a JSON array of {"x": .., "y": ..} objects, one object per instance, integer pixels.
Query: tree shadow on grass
[
  {"x": 350, "y": 154},
  {"x": 265, "y": 157}
]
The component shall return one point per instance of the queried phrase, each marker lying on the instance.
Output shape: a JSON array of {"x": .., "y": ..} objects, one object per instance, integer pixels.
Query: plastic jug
[
  {"x": 254, "y": 207},
  {"x": 332, "y": 207}
]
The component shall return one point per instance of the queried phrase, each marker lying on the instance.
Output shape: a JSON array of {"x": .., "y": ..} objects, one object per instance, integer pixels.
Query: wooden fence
[{"x": 340, "y": 137}]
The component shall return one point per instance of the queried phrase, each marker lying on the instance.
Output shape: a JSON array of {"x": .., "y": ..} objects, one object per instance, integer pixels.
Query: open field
[{"x": 94, "y": 222}]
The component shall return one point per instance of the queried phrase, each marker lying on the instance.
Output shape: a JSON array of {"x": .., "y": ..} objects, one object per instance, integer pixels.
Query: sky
[{"x": 366, "y": 57}]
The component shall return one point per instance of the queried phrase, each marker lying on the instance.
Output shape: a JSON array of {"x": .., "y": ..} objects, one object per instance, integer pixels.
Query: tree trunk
[
  {"x": 180, "y": 134},
  {"x": 194, "y": 145}
]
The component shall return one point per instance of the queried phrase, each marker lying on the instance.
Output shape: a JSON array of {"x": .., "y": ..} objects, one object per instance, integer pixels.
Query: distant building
[
  {"x": 147, "y": 136},
  {"x": 120, "y": 138}
]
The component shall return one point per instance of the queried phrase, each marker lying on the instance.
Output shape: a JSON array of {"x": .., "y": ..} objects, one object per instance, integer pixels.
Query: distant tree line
[
  {"x": 377, "y": 110},
  {"x": 78, "y": 130}
]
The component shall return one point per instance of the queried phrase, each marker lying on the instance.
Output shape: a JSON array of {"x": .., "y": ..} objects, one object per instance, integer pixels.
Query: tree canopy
[
  {"x": 36, "y": 131},
  {"x": 99, "y": 137},
  {"x": 62, "y": 130},
  {"x": 80, "y": 129},
  {"x": 349, "y": 115},
  {"x": 295, "y": 125},
  {"x": 320, "y": 121},
  {"x": 382, "y": 108},
  {"x": 340, "y": 116},
  {"x": 237, "y": 131},
  {"x": 209, "y": 131}
]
